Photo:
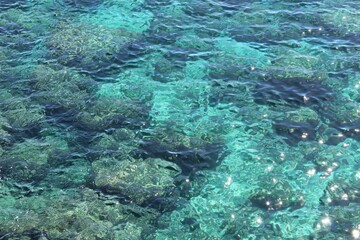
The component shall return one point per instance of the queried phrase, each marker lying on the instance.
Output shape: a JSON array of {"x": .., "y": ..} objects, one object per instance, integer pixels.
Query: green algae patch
[
  {"x": 35, "y": 24},
  {"x": 33, "y": 151}
]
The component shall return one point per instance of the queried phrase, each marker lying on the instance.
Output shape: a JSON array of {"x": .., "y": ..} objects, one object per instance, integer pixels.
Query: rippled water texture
[{"x": 191, "y": 119}]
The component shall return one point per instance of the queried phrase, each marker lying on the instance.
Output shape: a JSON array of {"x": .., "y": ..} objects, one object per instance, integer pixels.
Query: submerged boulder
[
  {"x": 87, "y": 46},
  {"x": 292, "y": 92},
  {"x": 113, "y": 112},
  {"x": 139, "y": 180},
  {"x": 83, "y": 3},
  {"x": 75, "y": 213},
  {"x": 5, "y": 137},
  {"x": 19, "y": 111},
  {"x": 277, "y": 196},
  {"x": 6, "y": 4},
  {"x": 29, "y": 160},
  {"x": 59, "y": 87},
  {"x": 295, "y": 64}
]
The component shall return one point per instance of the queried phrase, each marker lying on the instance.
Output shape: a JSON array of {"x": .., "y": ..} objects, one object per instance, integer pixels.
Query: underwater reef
[{"x": 164, "y": 119}]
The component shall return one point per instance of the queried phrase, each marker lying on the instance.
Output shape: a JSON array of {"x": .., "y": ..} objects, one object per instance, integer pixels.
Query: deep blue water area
[{"x": 192, "y": 119}]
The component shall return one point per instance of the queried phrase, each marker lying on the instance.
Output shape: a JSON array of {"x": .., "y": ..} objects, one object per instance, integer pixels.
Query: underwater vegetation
[{"x": 164, "y": 119}]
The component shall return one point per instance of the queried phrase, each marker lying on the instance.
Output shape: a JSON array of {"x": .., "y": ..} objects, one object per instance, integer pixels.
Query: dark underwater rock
[
  {"x": 326, "y": 162},
  {"x": 6, "y": 4},
  {"x": 21, "y": 170},
  {"x": 189, "y": 159},
  {"x": 294, "y": 92},
  {"x": 5, "y": 137},
  {"x": 342, "y": 192},
  {"x": 349, "y": 130},
  {"x": 277, "y": 196},
  {"x": 227, "y": 68},
  {"x": 200, "y": 9},
  {"x": 340, "y": 222},
  {"x": 168, "y": 71},
  {"x": 295, "y": 132},
  {"x": 83, "y": 3}
]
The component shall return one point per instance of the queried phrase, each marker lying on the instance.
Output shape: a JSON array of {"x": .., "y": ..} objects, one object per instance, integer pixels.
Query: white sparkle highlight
[
  {"x": 311, "y": 172},
  {"x": 355, "y": 233},
  {"x": 326, "y": 221}
]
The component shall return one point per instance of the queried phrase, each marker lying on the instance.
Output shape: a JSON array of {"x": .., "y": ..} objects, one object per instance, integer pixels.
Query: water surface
[{"x": 193, "y": 119}]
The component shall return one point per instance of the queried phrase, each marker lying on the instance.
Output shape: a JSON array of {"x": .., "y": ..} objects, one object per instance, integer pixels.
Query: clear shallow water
[{"x": 190, "y": 119}]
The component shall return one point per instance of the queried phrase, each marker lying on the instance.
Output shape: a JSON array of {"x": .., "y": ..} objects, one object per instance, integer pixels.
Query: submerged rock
[
  {"x": 303, "y": 124},
  {"x": 189, "y": 159},
  {"x": 61, "y": 88},
  {"x": 113, "y": 112},
  {"x": 294, "y": 64},
  {"x": 120, "y": 15},
  {"x": 338, "y": 223},
  {"x": 199, "y": 9},
  {"x": 76, "y": 213},
  {"x": 87, "y": 46},
  {"x": 5, "y": 137},
  {"x": 344, "y": 21},
  {"x": 83, "y": 3},
  {"x": 119, "y": 143},
  {"x": 73, "y": 173},
  {"x": 294, "y": 132},
  {"x": 293, "y": 92},
  {"x": 6, "y": 4},
  {"x": 227, "y": 67},
  {"x": 19, "y": 111},
  {"x": 168, "y": 71},
  {"x": 139, "y": 180},
  {"x": 344, "y": 189},
  {"x": 278, "y": 196},
  {"x": 261, "y": 26},
  {"x": 28, "y": 160}
]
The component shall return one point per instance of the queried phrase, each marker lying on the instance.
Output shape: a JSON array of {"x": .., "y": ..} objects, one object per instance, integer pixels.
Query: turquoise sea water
[{"x": 192, "y": 119}]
